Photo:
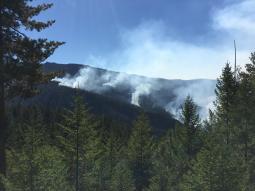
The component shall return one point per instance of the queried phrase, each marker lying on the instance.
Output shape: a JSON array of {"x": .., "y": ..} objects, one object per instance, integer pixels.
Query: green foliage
[
  {"x": 191, "y": 123},
  {"x": 82, "y": 146},
  {"x": 20, "y": 58},
  {"x": 46, "y": 171},
  {"x": 140, "y": 152},
  {"x": 32, "y": 163},
  {"x": 122, "y": 179},
  {"x": 169, "y": 161},
  {"x": 226, "y": 91},
  {"x": 216, "y": 167}
]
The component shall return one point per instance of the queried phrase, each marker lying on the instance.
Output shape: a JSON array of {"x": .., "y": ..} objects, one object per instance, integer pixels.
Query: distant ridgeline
[
  {"x": 149, "y": 93},
  {"x": 121, "y": 96},
  {"x": 111, "y": 105}
]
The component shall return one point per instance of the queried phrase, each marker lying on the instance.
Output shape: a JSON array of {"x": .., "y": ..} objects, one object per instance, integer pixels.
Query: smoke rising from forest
[
  {"x": 202, "y": 93},
  {"x": 167, "y": 94}
]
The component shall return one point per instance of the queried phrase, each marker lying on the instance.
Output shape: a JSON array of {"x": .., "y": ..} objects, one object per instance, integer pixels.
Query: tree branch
[{"x": 19, "y": 32}]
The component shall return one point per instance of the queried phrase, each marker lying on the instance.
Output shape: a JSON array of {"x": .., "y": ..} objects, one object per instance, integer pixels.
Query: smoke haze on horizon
[{"x": 202, "y": 91}]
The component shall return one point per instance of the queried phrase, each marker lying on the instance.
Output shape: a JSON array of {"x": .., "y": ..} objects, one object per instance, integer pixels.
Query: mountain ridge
[
  {"x": 115, "y": 102},
  {"x": 149, "y": 93},
  {"x": 51, "y": 67}
]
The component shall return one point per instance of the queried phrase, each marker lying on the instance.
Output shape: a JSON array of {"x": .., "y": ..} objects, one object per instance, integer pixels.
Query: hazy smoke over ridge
[
  {"x": 142, "y": 89},
  {"x": 89, "y": 79},
  {"x": 201, "y": 91},
  {"x": 167, "y": 94}
]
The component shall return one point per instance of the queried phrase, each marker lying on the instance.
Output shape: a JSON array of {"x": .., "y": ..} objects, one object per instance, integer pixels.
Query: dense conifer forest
[{"x": 71, "y": 149}]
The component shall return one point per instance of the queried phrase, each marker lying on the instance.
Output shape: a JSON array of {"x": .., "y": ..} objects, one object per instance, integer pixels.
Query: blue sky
[{"x": 159, "y": 38}]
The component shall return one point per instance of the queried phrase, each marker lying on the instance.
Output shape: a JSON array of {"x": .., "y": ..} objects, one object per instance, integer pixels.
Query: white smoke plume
[
  {"x": 142, "y": 89},
  {"x": 89, "y": 79},
  {"x": 101, "y": 81},
  {"x": 86, "y": 79},
  {"x": 202, "y": 92}
]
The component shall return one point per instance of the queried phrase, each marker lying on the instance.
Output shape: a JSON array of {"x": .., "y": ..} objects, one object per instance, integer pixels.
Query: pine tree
[
  {"x": 139, "y": 151},
  {"x": 20, "y": 56},
  {"x": 82, "y": 146},
  {"x": 191, "y": 122},
  {"x": 246, "y": 116},
  {"x": 217, "y": 167},
  {"x": 169, "y": 161},
  {"x": 113, "y": 148},
  {"x": 32, "y": 139},
  {"x": 226, "y": 88}
]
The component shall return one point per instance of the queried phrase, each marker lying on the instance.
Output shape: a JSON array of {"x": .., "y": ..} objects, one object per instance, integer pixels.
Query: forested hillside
[
  {"x": 77, "y": 148},
  {"x": 149, "y": 93},
  {"x": 53, "y": 97},
  {"x": 55, "y": 138}
]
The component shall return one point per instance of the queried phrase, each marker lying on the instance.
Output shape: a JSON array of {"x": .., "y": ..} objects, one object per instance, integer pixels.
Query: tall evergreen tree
[
  {"x": 217, "y": 167},
  {"x": 20, "y": 56},
  {"x": 245, "y": 114},
  {"x": 169, "y": 159},
  {"x": 191, "y": 122},
  {"x": 139, "y": 151},
  {"x": 246, "y": 118},
  {"x": 226, "y": 89},
  {"x": 113, "y": 148},
  {"x": 81, "y": 145},
  {"x": 32, "y": 138}
]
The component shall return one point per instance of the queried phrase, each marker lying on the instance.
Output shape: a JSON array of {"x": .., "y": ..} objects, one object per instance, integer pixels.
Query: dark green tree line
[
  {"x": 82, "y": 151},
  {"x": 20, "y": 56}
]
